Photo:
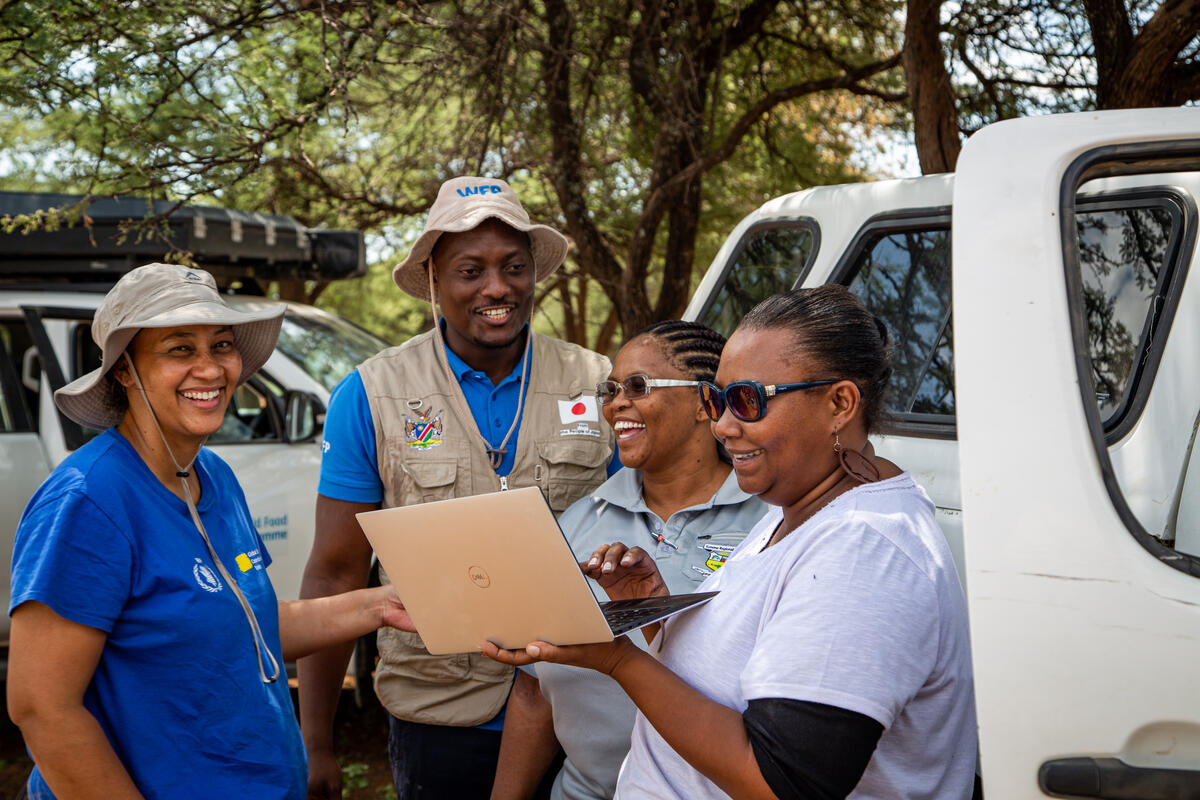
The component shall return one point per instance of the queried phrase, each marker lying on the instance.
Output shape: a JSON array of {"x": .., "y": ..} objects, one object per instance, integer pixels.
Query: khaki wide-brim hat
[
  {"x": 161, "y": 296},
  {"x": 463, "y": 204}
]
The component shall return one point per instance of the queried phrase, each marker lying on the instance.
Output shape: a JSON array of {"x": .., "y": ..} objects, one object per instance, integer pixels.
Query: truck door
[{"x": 1078, "y": 385}]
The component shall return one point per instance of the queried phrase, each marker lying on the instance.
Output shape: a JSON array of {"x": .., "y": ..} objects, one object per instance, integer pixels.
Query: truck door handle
[{"x": 1113, "y": 779}]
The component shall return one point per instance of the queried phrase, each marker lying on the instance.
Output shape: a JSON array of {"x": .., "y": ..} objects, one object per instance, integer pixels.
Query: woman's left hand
[{"x": 603, "y": 656}]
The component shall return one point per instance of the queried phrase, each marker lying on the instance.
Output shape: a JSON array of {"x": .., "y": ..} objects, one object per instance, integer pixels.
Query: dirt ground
[{"x": 361, "y": 742}]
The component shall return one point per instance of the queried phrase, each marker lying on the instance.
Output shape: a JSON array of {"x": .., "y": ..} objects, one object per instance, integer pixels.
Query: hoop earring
[{"x": 857, "y": 466}]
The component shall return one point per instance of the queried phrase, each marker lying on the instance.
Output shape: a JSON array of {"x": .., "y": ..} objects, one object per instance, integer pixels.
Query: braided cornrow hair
[{"x": 691, "y": 347}]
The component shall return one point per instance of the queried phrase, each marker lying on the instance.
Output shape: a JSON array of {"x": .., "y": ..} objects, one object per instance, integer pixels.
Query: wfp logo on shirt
[{"x": 207, "y": 579}]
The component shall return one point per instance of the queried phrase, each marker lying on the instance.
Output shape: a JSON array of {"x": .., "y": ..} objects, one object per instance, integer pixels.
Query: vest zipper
[{"x": 503, "y": 483}]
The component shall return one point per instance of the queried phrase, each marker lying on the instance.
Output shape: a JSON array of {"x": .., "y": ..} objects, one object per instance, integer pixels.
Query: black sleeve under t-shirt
[{"x": 810, "y": 750}]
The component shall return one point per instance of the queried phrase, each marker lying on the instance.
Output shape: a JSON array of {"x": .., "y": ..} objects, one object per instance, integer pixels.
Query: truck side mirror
[{"x": 303, "y": 416}]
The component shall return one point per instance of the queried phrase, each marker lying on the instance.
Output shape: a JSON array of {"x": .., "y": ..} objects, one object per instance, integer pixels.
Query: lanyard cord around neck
[
  {"x": 260, "y": 643},
  {"x": 495, "y": 454}
]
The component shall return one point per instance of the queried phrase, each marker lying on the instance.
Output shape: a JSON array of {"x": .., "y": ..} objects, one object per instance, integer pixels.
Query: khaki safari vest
[{"x": 427, "y": 451}]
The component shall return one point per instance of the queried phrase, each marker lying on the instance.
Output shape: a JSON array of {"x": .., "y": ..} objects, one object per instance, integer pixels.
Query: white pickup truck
[
  {"x": 1047, "y": 395},
  {"x": 50, "y": 287}
]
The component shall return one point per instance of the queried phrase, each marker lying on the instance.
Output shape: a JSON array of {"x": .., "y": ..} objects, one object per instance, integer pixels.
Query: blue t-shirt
[{"x": 177, "y": 688}]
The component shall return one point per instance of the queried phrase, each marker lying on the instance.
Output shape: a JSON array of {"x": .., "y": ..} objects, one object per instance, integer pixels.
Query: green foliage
[
  {"x": 355, "y": 777},
  {"x": 351, "y": 114}
]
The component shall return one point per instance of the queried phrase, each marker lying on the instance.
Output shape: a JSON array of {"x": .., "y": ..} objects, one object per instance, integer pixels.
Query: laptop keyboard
[{"x": 627, "y": 615}]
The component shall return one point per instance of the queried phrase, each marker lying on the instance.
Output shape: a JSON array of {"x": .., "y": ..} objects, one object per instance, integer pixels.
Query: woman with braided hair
[{"x": 679, "y": 498}]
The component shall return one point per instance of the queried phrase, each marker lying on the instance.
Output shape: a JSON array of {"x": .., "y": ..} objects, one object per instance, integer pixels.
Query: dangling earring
[{"x": 855, "y": 464}]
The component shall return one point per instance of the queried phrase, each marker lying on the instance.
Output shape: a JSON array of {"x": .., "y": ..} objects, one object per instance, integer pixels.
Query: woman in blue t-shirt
[{"x": 147, "y": 644}]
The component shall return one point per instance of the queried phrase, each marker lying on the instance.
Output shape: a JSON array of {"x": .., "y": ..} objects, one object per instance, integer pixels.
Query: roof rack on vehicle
[{"x": 233, "y": 245}]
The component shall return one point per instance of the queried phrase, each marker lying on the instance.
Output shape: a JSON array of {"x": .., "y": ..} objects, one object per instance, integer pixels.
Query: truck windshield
[{"x": 327, "y": 347}]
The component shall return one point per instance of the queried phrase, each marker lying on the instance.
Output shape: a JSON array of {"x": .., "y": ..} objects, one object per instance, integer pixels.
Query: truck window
[
  {"x": 1134, "y": 324},
  {"x": 904, "y": 277},
  {"x": 13, "y": 414},
  {"x": 18, "y": 402},
  {"x": 770, "y": 259},
  {"x": 326, "y": 346},
  {"x": 1125, "y": 247},
  {"x": 253, "y": 414}
]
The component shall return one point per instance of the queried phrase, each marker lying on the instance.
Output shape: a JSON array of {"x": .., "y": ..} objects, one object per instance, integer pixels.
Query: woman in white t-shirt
[{"x": 835, "y": 660}]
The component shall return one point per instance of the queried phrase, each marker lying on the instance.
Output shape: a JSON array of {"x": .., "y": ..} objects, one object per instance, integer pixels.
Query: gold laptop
[{"x": 496, "y": 567}]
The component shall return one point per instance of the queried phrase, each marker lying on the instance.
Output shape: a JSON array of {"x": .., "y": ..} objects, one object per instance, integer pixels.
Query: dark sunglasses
[
  {"x": 747, "y": 400},
  {"x": 635, "y": 386}
]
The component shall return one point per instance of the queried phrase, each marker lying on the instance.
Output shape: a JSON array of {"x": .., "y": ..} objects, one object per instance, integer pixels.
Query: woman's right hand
[{"x": 625, "y": 573}]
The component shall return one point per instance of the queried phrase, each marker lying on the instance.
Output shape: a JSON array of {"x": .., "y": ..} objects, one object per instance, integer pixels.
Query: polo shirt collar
[
  {"x": 624, "y": 490},
  {"x": 462, "y": 369}
]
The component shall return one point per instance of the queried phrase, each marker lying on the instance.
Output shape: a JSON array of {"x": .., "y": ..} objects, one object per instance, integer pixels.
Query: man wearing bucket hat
[
  {"x": 479, "y": 404},
  {"x": 146, "y": 646}
]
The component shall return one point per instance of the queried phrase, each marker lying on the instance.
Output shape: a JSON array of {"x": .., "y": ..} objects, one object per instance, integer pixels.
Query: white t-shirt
[{"x": 860, "y": 608}]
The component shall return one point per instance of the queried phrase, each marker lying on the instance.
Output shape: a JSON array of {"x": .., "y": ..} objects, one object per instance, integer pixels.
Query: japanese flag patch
[{"x": 581, "y": 409}]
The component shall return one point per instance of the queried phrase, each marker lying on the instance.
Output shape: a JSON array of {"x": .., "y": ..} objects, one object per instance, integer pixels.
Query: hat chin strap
[{"x": 260, "y": 643}]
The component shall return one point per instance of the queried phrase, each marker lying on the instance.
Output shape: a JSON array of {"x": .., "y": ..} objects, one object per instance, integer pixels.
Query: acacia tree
[{"x": 609, "y": 117}]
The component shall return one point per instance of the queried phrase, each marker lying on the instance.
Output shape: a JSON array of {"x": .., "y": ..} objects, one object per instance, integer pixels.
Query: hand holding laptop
[{"x": 625, "y": 573}]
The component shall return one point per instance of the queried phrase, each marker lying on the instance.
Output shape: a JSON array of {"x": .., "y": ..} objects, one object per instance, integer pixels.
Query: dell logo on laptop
[{"x": 479, "y": 577}]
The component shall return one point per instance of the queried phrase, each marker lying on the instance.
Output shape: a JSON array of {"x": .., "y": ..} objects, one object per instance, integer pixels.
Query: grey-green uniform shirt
[{"x": 593, "y": 717}]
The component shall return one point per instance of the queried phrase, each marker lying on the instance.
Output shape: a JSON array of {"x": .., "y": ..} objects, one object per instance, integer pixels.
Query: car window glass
[
  {"x": 1136, "y": 319},
  {"x": 768, "y": 262},
  {"x": 13, "y": 415},
  {"x": 251, "y": 415},
  {"x": 904, "y": 277},
  {"x": 327, "y": 347},
  {"x": 1122, "y": 255},
  {"x": 20, "y": 396}
]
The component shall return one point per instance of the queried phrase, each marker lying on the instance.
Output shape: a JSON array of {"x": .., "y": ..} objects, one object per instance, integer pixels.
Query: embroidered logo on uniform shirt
[
  {"x": 718, "y": 554},
  {"x": 423, "y": 432},
  {"x": 207, "y": 579}
]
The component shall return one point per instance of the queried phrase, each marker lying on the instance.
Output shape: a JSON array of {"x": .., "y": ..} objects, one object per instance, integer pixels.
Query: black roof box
[{"x": 233, "y": 245}]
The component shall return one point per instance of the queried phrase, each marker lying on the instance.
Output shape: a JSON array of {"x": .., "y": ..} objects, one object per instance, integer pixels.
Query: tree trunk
[{"x": 935, "y": 115}]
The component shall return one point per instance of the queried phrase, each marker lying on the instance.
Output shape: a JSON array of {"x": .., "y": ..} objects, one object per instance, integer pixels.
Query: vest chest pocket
[
  {"x": 573, "y": 470},
  {"x": 433, "y": 480}
]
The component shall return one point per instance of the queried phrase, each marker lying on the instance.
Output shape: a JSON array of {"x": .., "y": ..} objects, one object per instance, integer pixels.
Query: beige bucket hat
[
  {"x": 161, "y": 296},
  {"x": 461, "y": 205}
]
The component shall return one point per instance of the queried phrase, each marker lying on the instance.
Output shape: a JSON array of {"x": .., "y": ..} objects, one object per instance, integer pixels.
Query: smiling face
[
  {"x": 189, "y": 374},
  {"x": 782, "y": 456},
  {"x": 655, "y": 431},
  {"x": 485, "y": 282}
]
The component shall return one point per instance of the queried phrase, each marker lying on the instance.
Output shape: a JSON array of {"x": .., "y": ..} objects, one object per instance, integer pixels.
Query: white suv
[{"x": 1047, "y": 395}]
